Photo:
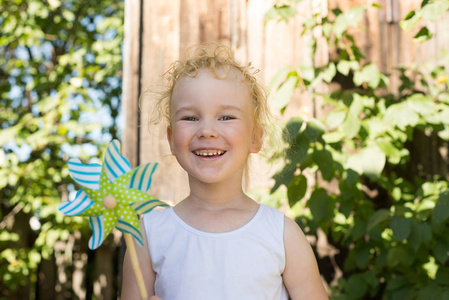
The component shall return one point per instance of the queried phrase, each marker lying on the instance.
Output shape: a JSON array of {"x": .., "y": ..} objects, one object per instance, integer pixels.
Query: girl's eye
[
  {"x": 227, "y": 118},
  {"x": 189, "y": 119}
]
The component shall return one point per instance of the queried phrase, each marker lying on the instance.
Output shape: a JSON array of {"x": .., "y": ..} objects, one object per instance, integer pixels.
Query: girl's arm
[
  {"x": 129, "y": 284},
  {"x": 301, "y": 276}
]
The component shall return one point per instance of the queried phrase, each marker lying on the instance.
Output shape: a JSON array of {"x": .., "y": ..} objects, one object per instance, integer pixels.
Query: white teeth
[{"x": 209, "y": 153}]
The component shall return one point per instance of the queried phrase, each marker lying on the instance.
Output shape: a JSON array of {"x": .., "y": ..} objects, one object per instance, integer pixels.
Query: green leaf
[
  {"x": 286, "y": 12},
  {"x": 351, "y": 126},
  {"x": 410, "y": 20},
  {"x": 401, "y": 227},
  {"x": 318, "y": 204},
  {"x": 292, "y": 129},
  {"x": 441, "y": 251},
  {"x": 323, "y": 158},
  {"x": 420, "y": 233},
  {"x": 68, "y": 15},
  {"x": 333, "y": 137},
  {"x": 344, "y": 66},
  {"x": 328, "y": 73},
  {"x": 442, "y": 276},
  {"x": 296, "y": 189},
  {"x": 421, "y": 104},
  {"x": 441, "y": 212},
  {"x": 363, "y": 256},
  {"x": 396, "y": 282},
  {"x": 350, "y": 18},
  {"x": 340, "y": 25},
  {"x": 355, "y": 14},
  {"x": 285, "y": 93},
  {"x": 298, "y": 150},
  {"x": 401, "y": 115},
  {"x": 380, "y": 216},
  {"x": 434, "y": 10},
  {"x": 369, "y": 74},
  {"x": 271, "y": 14},
  {"x": 394, "y": 257},
  {"x": 283, "y": 177},
  {"x": 314, "y": 129},
  {"x": 423, "y": 35},
  {"x": 335, "y": 118},
  {"x": 393, "y": 154},
  {"x": 356, "y": 287},
  {"x": 370, "y": 161},
  {"x": 278, "y": 78},
  {"x": 444, "y": 133}
]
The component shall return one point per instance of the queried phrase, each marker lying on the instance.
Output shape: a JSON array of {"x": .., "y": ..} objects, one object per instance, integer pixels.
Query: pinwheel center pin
[{"x": 109, "y": 202}]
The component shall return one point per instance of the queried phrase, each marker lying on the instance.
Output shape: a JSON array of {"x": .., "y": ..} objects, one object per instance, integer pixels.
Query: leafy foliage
[
  {"x": 430, "y": 10},
  {"x": 60, "y": 87},
  {"x": 388, "y": 216}
]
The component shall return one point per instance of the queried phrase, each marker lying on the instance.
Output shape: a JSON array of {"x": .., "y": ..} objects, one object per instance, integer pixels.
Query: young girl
[{"x": 218, "y": 243}]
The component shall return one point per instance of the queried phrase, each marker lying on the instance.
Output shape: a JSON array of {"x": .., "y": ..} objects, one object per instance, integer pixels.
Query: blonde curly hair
[{"x": 214, "y": 57}]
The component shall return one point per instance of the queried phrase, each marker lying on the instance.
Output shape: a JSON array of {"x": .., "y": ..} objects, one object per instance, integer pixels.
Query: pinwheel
[{"x": 113, "y": 196}]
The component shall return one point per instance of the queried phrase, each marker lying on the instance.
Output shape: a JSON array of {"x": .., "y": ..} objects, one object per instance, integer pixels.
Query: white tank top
[{"x": 246, "y": 263}]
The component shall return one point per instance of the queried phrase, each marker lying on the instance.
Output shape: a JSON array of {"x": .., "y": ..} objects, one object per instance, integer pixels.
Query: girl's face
[{"x": 212, "y": 128}]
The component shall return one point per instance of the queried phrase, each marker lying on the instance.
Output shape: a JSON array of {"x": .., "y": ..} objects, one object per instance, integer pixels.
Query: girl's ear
[
  {"x": 169, "y": 138},
  {"x": 256, "y": 143}
]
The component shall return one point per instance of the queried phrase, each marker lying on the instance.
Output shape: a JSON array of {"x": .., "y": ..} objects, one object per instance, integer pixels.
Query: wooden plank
[
  {"x": 160, "y": 48},
  {"x": 130, "y": 90}
]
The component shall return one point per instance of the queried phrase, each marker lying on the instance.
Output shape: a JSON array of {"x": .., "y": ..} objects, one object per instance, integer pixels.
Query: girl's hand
[{"x": 154, "y": 298}]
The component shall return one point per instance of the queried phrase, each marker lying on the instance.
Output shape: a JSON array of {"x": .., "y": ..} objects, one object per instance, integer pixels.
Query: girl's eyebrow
[
  {"x": 185, "y": 108},
  {"x": 232, "y": 107},
  {"x": 192, "y": 108}
]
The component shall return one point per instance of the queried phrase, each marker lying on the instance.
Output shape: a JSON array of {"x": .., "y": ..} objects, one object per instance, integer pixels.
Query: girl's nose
[{"x": 207, "y": 130}]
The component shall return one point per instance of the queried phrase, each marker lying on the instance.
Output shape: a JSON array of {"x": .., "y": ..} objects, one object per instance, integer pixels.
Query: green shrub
[{"x": 388, "y": 211}]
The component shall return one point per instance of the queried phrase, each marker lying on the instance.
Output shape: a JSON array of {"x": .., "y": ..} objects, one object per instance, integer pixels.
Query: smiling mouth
[{"x": 209, "y": 153}]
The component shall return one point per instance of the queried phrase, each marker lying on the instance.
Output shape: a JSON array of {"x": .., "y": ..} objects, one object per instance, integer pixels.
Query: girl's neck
[{"x": 216, "y": 196}]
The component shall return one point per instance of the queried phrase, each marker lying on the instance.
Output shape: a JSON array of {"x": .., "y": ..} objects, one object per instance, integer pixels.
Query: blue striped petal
[
  {"x": 97, "y": 225},
  {"x": 77, "y": 206},
  {"x": 141, "y": 178},
  {"x": 145, "y": 206},
  {"x": 124, "y": 226},
  {"x": 85, "y": 175},
  {"x": 115, "y": 163}
]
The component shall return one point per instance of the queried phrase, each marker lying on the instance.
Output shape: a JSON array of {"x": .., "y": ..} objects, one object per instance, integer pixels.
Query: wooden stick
[{"x": 136, "y": 267}]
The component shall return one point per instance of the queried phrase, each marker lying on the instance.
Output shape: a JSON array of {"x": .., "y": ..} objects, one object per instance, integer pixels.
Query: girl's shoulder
[{"x": 155, "y": 216}]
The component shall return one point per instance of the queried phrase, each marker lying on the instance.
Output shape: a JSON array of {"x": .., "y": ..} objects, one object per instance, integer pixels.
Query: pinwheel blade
[
  {"x": 126, "y": 227},
  {"x": 99, "y": 231},
  {"x": 141, "y": 178},
  {"x": 80, "y": 204},
  {"x": 145, "y": 206},
  {"x": 85, "y": 175},
  {"x": 115, "y": 164}
]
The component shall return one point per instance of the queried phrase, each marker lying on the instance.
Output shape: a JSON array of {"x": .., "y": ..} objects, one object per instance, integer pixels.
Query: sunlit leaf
[
  {"x": 393, "y": 154},
  {"x": 344, "y": 66},
  {"x": 285, "y": 93},
  {"x": 423, "y": 35},
  {"x": 370, "y": 74},
  {"x": 410, "y": 20},
  {"x": 328, "y": 73},
  {"x": 432, "y": 11}
]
